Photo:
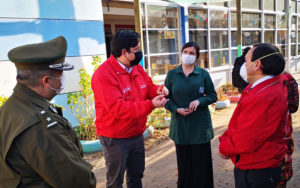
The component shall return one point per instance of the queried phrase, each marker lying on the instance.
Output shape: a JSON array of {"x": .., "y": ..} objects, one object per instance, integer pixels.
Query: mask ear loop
[{"x": 266, "y": 56}]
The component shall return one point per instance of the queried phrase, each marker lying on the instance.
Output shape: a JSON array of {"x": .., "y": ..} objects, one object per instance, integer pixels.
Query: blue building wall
[{"x": 32, "y": 21}]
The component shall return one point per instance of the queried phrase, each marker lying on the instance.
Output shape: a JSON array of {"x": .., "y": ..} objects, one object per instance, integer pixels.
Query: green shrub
[{"x": 82, "y": 104}]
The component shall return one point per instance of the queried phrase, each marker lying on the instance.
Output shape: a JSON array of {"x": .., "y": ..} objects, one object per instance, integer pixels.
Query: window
[
  {"x": 218, "y": 19},
  {"x": 163, "y": 37},
  {"x": 160, "y": 65},
  {"x": 253, "y": 4},
  {"x": 251, "y": 20},
  {"x": 293, "y": 50},
  {"x": 281, "y": 37},
  {"x": 269, "y": 21},
  {"x": 270, "y": 37},
  {"x": 233, "y": 55},
  {"x": 233, "y": 20},
  {"x": 163, "y": 17},
  {"x": 250, "y": 37},
  {"x": 163, "y": 41},
  {"x": 233, "y": 39},
  {"x": 282, "y": 21},
  {"x": 203, "y": 60},
  {"x": 293, "y": 6},
  {"x": 281, "y": 41},
  {"x": 293, "y": 22},
  {"x": 200, "y": 37},
  {"x": 219, "y": 39},
  {"x": 280, "y": 5},
  {"x": 219, "y": 4},
  {"x": 197, "y": 18},
  {"x": 219, "y": 58},
  {"x": 269, "y": 5}
]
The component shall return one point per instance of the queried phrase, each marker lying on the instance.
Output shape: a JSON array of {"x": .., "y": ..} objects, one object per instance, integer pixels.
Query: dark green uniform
[
  {"x": 195, "y": 128},
  {"x": 38, "y": 146}
]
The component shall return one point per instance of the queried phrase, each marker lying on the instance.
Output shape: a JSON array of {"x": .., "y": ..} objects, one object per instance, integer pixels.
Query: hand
[
  {"x": 159, "y": 101},
  {"x": 224, "y": 156},
  {"x": 162, "y": 90},
  {"x": 183, "y": 111},
  {"x": 193, "y": 105}
]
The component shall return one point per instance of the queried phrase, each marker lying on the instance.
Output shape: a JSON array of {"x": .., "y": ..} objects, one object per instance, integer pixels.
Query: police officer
[{"x": 38, "y": 147}]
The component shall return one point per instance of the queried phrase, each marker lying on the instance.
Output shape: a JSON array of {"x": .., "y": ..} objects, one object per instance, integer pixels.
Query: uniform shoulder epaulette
[{"x": 47, "y": 118}]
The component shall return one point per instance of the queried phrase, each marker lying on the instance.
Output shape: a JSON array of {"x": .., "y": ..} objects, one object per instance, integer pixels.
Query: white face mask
[
  {"x": 243, "y": 72},
  {"x": 188, "y": 59},
  {"x": 62, "y": 83}
]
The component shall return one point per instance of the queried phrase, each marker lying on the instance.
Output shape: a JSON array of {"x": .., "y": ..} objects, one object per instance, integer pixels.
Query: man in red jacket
[
  {"x": 124, "y": 96},
  {"x": 256, "y": 136}
]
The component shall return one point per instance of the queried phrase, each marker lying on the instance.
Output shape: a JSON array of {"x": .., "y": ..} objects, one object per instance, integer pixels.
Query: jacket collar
[
  {"x": 119, "y": 69},
  {"x": 195, "y": 71},
  {"x": 263, "y": 85},
  {"x": 25, "y": 94}
]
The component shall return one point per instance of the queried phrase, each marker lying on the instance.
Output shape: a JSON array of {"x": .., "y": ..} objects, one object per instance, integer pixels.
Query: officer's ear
[{"x": 45, "y": 80}]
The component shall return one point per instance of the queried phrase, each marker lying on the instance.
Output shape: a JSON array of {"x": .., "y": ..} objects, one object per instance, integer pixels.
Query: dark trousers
[
  {"x": 194, "y": 166},
  {"x": 124, "y": 154},
  {"x": 257, "y": 178}
]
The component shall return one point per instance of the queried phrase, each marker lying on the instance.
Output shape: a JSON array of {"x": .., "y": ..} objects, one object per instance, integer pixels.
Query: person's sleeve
[
  {"x": 52, "y": 154},
  {"x": 170, "y": 105},
  {"x": 107, "y": 92},
  {"x": 209, "y": 91},
  {"x": 293, "y": 95},
  {"x": 256, "y": 123}
]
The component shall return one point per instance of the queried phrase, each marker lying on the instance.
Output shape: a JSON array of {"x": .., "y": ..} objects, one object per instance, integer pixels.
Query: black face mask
[{"x": 138, "y": 56}]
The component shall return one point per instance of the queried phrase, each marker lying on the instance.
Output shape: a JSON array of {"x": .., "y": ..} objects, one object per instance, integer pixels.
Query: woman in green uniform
[{"x": 191, "y": 90}]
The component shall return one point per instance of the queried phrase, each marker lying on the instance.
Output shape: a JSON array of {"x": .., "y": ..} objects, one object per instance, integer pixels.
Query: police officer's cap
[{"x": 45, "y": 55}]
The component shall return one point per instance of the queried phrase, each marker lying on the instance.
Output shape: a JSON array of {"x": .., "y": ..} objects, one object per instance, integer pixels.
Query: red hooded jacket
[
  {"x": 256, "y": 137},
  {"x": 122, "y": 99}
]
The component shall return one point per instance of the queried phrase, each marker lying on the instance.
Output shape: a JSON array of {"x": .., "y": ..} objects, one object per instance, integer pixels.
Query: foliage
[
  {"x": 159, "y": 118},
  {"x": 3, "y": 100},
  {"x": 82, "y": 104}
]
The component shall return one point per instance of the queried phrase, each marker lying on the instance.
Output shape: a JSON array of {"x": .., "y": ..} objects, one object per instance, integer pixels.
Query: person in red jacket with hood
[
  {"x": 256, "y": 138},
  {"x": 124, "y": 96}
]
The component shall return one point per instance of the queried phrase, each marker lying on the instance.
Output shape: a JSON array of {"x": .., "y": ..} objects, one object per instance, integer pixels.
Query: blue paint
[
  {"x": 72, "y": 30},
  {"x": 61, "y": 100},
  {"x": 56, "y": 9},
  {"x": 183, "y": 20}
]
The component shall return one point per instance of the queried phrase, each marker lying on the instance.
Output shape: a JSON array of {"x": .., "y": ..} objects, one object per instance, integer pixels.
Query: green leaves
[{"x": 82, "y": 104}]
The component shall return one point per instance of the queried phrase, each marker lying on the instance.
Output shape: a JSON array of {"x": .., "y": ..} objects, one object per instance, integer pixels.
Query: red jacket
[
  {"x": 122, "y": 100},
  {"x": 256, "y": 133}
]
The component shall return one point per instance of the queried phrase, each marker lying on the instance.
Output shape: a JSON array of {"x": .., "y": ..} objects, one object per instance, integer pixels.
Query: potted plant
[{"x": 82, "y": 107}]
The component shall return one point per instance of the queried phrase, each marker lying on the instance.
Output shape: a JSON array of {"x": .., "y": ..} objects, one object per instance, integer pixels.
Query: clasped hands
[
  {"x": 160, "y": 100},
  {"x": 192, "y": 107}
]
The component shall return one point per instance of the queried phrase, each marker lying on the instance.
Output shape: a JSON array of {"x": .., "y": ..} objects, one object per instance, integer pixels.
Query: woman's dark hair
[
  {"x": 192, "y": 44},
  {"x": 123, "y": 40},
  {"x": 245, "y": 51},
  {"x": 271, "y": 65}
]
